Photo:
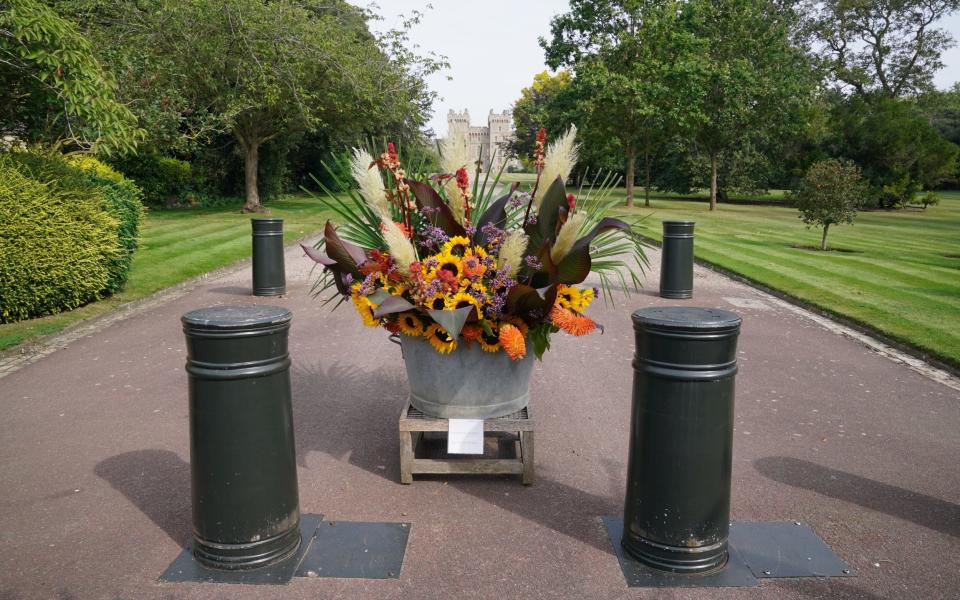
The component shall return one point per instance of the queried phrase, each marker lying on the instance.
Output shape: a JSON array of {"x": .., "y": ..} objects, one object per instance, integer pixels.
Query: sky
[{"x": 493, "y": 51}]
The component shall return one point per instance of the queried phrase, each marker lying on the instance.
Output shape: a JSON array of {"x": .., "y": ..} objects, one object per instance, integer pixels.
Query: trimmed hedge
[
  {"x": 163, "y": 179},
  {"x": 124, "y": 201},
  {"x": 57, "y": 240}
]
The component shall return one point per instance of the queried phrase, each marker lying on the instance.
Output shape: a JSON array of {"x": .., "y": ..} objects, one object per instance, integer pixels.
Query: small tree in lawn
[{"x": 829, "y": 194}]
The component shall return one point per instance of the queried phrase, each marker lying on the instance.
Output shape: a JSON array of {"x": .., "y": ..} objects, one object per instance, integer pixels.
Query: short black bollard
[
  {"x": 246, "y": 512},
  {"x": 269, "y": 278},
  {"x": 677, "y": 510},
  {"x": 676, "y": 260}
]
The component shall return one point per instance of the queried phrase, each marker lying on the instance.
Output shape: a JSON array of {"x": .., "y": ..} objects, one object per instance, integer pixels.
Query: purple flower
[
  {"x": 428, "y": 210},
  {"x": 519, "y": 199},
  {"x": 471, "y": 231},
  {"x": 348, "y": 279},
  {"x": 496, "y": 306},
  {"x": 533, "y": 262},
  {"x": 532, "y": 219}
]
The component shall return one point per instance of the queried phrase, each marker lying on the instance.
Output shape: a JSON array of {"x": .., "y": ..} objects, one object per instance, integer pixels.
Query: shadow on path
[
  {"x": 933, "y": 513},
  {"x": 233, "y": 290},
  {"x": 348, "y": 414},
  {"x": 158, "y": 483}
]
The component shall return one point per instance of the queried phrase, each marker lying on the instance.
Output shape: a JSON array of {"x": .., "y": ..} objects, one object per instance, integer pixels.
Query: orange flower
[
  {"x": 472, "y": 267},
  {"x": 471, "y": 333},
  {"x": 512, "y": 341},
  {"x": 571, "y": 322}
]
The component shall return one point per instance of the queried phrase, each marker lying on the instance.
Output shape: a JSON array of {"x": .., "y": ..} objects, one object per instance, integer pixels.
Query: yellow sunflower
[
  {"x": 441, "y": 341},
  {"x": 366, "y": 308},
  {"x": 490, "y": 343},
  {"x": 568, "y": 297},
  {"x": 437, "y": 301},
  {"x": 450, "y": 263},
  {"x": 410, "y": 324},
  {"x": 586, "y": 297},
  {"x": 457, "y": 245},
  {"x": 461, "y": 300}
]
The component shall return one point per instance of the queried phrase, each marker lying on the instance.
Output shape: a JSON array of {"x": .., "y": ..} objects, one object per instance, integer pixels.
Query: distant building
[{"x": 482, "y": 141}]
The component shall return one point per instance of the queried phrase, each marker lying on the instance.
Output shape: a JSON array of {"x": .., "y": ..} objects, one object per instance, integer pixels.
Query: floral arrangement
[{"x": 438, "y": 257}]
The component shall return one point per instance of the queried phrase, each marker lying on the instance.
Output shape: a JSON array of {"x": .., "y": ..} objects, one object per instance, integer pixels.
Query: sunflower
[
  {"x": 437, "y": 301},
  {"x": 490, "y": 342},
  {"x": 461, "y": 300},
  {"x": 569, "y": 297},
  {"x": 410, "y": 324},
  {"x": 586, "y": 297},
  {"x": 512, "y": 341},
  {"x": 457, "y": 246},
  {"x": 450, "y": 263},
  {"x": 365, "y": 307},
  {"x": 441, "y": 341}
]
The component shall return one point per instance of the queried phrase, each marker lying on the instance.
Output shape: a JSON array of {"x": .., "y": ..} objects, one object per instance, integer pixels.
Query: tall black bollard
[
  {"x": 676, "y": 516},
  {"x": 676, "y": 261},
  {"x": 246, "y": 512},
  {"x": 269, "y": 278}
]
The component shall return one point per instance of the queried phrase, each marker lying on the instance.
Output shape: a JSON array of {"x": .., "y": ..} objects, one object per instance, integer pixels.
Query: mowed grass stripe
[
  {"x": 158, "y": 237},
  {"x": 899, "y": 278},
  {"x": 911, "y": 326},
  {"x": 840, "y": 272}
]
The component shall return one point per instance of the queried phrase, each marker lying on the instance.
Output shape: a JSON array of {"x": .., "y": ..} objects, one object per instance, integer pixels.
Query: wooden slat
[{"x": 493, "y": 466}]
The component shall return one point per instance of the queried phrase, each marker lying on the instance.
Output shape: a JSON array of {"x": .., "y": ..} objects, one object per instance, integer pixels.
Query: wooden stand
[{"x": 413, "y": 425}]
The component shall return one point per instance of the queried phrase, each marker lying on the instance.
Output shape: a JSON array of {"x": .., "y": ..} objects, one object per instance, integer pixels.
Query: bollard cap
[
  {"x": 269, "y": 225},
  {"x": 685, "y": 318},
  {"x": 678, "y": 227},
  {"x": 236, "y": 317}
]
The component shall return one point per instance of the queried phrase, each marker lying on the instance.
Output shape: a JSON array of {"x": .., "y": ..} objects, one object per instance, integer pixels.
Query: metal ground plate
[
  {"x": 757, "y": 551},
  {"x": 735, "y": 574},
  {"x": 186, "y": 568},
  {"x": 356, "y": 550},
  {"x": 788, "y": 549}
]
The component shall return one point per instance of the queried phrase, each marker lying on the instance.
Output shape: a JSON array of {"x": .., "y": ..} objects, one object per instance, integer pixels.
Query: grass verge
[
  {"x": 175, "y": 246},
  {"x": 895, "y": 272}
]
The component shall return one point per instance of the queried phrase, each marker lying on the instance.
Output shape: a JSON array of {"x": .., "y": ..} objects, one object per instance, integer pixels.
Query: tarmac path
[{"x": 94, "y": 473}]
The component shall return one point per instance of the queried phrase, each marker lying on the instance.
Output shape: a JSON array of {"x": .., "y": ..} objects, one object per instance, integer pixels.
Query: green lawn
[
  {"x": 175, "y": 246},
  {"x": 895, "y": 271}
]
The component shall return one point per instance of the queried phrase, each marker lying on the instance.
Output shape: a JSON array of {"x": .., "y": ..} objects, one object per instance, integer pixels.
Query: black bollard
[
  {"x": 246, "y": 512},
  {"x": 269, "y": 278},
  {"x": 676, "y": 261},
  {"x": 677, "y": 510}
]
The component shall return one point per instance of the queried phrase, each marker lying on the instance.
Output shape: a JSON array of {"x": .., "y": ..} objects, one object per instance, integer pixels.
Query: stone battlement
[{"x": 482, "y": 140}]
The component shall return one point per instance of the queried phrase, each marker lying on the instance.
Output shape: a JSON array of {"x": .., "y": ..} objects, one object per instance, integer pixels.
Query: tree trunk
[
  {"x": 250, "y": 159},
  {"x": 713, "y": 181},
  {"x": 646, "y": 189},
  {"x": 823, "y": 242},
  {"x": 631, "y": 160}
]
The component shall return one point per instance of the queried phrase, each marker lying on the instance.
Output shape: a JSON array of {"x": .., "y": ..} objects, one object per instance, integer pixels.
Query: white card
[{"x": 465, "y": 436}]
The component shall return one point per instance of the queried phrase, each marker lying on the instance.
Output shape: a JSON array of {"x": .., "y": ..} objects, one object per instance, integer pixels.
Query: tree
[
  {"x": 885, "y": 47},
  {"x": 262, "y": 72},
  {"x": 537, "y": 106},
  {"x": 894, "y": 144},
  {"x": 829, "y": 194},
  {"x": 745, "y": 79},
  {"x": 620, "y": 53},
  {"x": 53, "y": 88}
]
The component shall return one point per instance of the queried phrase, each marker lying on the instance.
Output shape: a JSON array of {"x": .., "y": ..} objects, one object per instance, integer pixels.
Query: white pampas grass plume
[
  {"x": 567, "y": 236},
  {"x": 398, "y": 246},
  {"x": 511, "y": 252},
  {"x": 454, "y": 152},
  {"x": 370, "y": 184},
  {"x": 560, "y": 157}
]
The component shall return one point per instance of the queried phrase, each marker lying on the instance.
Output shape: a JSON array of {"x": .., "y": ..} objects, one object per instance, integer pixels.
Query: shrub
[
  {"x": 162, "y": 179},
  {"x": 829, "y": 193},
  {"x": 57, "y": 241},
  {"x": 125, "y": 202}
]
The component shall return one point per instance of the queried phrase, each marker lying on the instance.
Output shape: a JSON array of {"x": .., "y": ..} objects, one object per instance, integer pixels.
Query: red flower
[
  {"x": 542, "y": 135},
  {"x": 571, "y": 201},
  {"x": 463, "y": 180}
]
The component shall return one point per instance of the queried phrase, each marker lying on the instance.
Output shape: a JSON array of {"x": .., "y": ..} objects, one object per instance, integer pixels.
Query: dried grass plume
[
  {"x": 399, "y": 246},
  {"x": 370, "y": 184},
  {"x": 560, "y": 158},
  {"x": 567, "y": 236},
  {"x": 511, "y": 252}
]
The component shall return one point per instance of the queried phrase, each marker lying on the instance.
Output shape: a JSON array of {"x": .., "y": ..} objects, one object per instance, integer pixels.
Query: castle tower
[{"x": 483, "y": 141}]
